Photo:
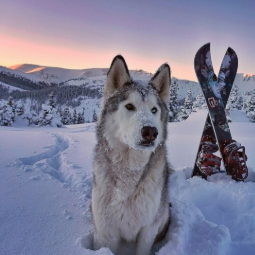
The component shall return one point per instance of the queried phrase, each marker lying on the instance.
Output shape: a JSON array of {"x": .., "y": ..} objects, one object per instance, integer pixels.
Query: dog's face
[{"x": 134, "y": 112}]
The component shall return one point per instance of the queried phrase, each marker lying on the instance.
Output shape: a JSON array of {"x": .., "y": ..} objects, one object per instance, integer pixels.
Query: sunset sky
[{"x": 83, "y": 34}]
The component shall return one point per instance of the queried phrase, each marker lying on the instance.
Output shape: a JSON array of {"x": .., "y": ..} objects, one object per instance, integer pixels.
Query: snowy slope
[
  {"x": 245, "y": 82},
  {"x": 45, "y": 193},
  {"x": 19, "y": 73},
  {"x": 22, "y": 80},
  {"x": 10, "y": 87},
  {"x": 56, "y": 74},
  {"x": 185, "y": 85}
]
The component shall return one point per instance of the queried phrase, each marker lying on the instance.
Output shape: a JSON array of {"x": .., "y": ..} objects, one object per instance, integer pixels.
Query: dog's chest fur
[{"x": 134, "y": 182}]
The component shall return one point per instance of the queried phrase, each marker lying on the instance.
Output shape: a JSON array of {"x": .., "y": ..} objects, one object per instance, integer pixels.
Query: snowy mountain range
[{"x": 30, "y": 77}]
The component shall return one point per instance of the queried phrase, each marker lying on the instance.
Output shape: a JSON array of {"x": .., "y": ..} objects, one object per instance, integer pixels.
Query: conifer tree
[
  {"x": 250, "y": 106},
  {"x": 7, "y": 113},
  {"x": 199, "y": 102},
  {"x": 185, "y": 110},
  {"x": 50, "y": 115},
  {"x": 19, "y": 109},
  {"x": 183, "y": 113},
  {"x": 188, "y": 100},
  {"x": 235, "y": 99},
  {"x": 173, "y": 105},
  {"x": 94, "y": 118},
  {"x": 51, "y": 100},
  {"x": 74, "y": 116},
  {"x": 66, "y": 117},
  {"x": 252, "y": 116},
  {"x": 227, "y": 111},
  {"x": 251, "y": 102},
  {"x": 80, "y": 118}
]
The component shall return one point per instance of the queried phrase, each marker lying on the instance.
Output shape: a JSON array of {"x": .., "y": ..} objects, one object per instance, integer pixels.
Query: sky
[{"x": 82, "y": 34}]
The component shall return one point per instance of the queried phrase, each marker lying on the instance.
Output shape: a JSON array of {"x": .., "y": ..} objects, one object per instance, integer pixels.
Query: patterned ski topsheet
[{"x": 217, "y": 90}]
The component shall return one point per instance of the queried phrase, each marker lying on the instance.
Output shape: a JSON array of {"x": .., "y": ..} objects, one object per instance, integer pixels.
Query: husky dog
[{"x": 130, "y": 186}]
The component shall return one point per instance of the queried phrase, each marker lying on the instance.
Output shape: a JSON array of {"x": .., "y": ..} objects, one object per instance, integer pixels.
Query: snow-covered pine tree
[
  {"x": 66, "y": 117},
  {"x": 83, "y": 115},
  {"x": 11, "y": 104},
  {"x": 33, "y": 118},
  {"x": 188, "y": 100},
  {"x": 235, "y": 99},
  {"x": 74, "y": 116},
  {"x": 7, "y": 113},
  {"x": 6, "y": 116},
  {"x": 51, "y": 100},
  {"x": 173, "y": 104},
  {"x": 239, "y": 103},
  {"x": 227, "y": 111},
  {"x": 186, "y": 109},
  {"x": 251, "y": 101},
  {"x": 50, "y": 115},
  {"x": 46, "y": 116},
  {"x": 19, "y": 109},
  {"x": 80, "y": 118},
  {"x": 199, "y": 102},
  {"x": 250, "y": 106},
  {"x": 252, "y": 116},
  {"x": 10, "y": 101},
  {"x": 183, "y": 113},
  {"x": 246, "y": 98},
  {"x": 94, "y": 118}
]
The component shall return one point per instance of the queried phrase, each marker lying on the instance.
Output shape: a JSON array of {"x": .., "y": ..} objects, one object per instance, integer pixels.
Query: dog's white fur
[
  {"x": 129, "y": 200},
  {"x": 125, "y": 125}
]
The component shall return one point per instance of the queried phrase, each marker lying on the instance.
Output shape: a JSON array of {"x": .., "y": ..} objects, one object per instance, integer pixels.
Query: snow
[
  {"x": 19, "y": 74},
  {"x": 57, "y": 74},
  {"x": 246, "y": 81},
  {"x": 10, "y": 87},
  {"x": 46, "y": 182}
]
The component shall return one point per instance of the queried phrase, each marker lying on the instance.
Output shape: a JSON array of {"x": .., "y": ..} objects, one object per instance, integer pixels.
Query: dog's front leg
[
  {"x": 106, "y": 241},
  {"x": 146, "y": 239}
]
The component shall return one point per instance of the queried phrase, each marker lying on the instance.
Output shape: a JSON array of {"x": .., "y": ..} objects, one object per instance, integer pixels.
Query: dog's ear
[
  {"x": 117, "y": 76},
  {"x": 161, "y": 82}
]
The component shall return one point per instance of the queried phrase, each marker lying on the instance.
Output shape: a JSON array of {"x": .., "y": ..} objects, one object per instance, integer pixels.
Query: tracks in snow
[
  {"x": 54, "y": 162},
  {"x": 61, "y": 145}
]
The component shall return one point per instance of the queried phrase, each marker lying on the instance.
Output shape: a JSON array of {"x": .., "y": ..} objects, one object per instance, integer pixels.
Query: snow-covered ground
[{"x": 46, "y": 181}]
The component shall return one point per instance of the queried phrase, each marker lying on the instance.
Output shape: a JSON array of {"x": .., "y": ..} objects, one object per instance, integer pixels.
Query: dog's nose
[{"x": 149, "y": 134}]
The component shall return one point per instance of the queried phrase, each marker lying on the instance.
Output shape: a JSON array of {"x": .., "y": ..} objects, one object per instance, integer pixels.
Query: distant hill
[
  {"x": 57, "y": 74},
  {"x": 22, "y": 80},
  {"x": 30, "y": 77}
]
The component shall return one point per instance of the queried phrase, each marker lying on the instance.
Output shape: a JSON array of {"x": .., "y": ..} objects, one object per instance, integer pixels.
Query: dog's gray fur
[{"x": 130, "y": 186}]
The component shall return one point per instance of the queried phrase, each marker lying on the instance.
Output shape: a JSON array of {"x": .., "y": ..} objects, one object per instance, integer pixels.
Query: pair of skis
[{"x": 216, "y": 134}]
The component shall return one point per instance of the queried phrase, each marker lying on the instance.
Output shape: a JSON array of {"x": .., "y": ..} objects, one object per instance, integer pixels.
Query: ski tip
[
  {"x": 200, "y": 56},
  {"x": 231, "y": 51},
  {"x": 234, "y": 60},
  {"x": 202, "y": 50},
  {"x": 207, "y": 45}
]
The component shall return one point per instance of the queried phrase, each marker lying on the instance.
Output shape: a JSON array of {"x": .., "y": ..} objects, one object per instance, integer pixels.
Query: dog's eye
[
  {"x": 154, "y": 110},
  {"x": 130, "y": 107}
]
